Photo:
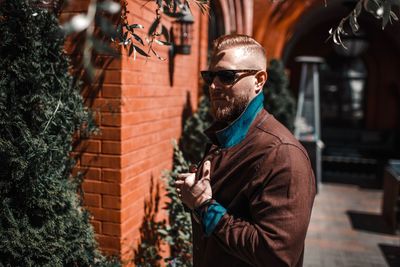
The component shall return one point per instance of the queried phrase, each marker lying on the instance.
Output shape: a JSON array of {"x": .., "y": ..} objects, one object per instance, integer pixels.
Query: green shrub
[
  {"x": 42, "y": 222},
  {"x": 278, "y": 99}
]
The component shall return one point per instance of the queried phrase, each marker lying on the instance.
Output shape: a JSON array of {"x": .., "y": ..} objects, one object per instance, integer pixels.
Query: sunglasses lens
[
  {"x": 207, "y": 76},
  {"x": 226, "y": 76}
]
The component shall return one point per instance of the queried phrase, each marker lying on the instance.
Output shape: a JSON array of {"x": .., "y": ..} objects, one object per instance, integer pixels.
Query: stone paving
[{"x": 346, "y": 229}]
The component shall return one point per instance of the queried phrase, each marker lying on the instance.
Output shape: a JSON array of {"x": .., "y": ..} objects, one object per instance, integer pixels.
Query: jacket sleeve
[{"x": 280, "y": 210}]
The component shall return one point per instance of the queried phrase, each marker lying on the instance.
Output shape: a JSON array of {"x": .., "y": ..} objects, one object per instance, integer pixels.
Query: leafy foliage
[
  {"x": 193, "y": 139},
  {"x": 158, "y": 33},
  {"x": 123, "y": 32},
  {"x": 178, "y": 233},
  {"x": 278, "y": 100},
  {"x": 380, "y": 9},
  {"x": 42, "y": 222},
  {"x": 94, "y": 41},
  {"x": 148, "y": 252}
]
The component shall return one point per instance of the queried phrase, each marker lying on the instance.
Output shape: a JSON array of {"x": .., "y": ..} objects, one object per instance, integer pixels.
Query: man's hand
[{"x": 193, "y": 193}]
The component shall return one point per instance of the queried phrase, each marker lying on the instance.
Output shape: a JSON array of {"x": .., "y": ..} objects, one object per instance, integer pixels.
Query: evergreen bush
[
  {"x": 278, "y": 99},
  {"x": 42, "y": 222},
  {"x": 178, "y": 232},
  {"x": 193, "y": 140},
  {"x": 147, "y": 254}
]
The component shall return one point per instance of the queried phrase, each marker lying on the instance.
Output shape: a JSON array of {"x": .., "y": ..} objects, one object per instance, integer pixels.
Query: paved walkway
[{"x": 346, "y": 229}]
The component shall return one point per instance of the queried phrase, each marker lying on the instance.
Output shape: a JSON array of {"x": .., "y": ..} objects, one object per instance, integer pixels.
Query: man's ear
[{"x": 260, "y": 80}]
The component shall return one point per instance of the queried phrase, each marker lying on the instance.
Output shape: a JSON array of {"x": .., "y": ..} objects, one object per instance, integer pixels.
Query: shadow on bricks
[{"x": 148, "y": 250}]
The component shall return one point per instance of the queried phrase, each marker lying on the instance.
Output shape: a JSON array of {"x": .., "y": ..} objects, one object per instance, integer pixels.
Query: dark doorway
[{"x": 359, "y": 93}]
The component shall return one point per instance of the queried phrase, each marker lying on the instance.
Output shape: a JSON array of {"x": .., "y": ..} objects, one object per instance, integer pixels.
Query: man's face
[{"x": 229, "y": 100}]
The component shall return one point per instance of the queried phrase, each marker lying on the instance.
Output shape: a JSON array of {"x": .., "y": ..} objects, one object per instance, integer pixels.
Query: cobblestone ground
[{"x": 346, "y": 229}]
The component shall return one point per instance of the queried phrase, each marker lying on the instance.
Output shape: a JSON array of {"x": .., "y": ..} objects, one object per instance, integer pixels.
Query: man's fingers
[
  {"x": 206, "y": 170},
  {"x": 183, "y": 176},
  {"x": 179, "y": 182},
  {"x": 185, "y": 180}
]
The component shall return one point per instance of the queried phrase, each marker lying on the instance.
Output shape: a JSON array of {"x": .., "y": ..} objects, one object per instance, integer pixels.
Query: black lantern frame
[{"x": 183, "y": 32}]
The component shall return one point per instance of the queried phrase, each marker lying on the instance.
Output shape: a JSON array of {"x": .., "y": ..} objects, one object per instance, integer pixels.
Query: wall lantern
[{"x": 183, "y": 32}]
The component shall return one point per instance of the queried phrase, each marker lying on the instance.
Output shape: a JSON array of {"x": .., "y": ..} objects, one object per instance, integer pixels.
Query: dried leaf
[
  {"x": 393, "y": 16},
  {"x": 386, "y": 13},
  {"x": 371, "y": 6},
  {"x": 335, "y": 38},
  {"x": 119, "y": 32},
  {"x": 154, "y": 26},
  {"x": 358, "y": 8},
  {"x": 156, "y": 54},
  {"x": 137, "y": 38},
  {"x": 140, "y": 51},
  {"x": 165, "y": 32},
  {"x": 162, "y": 42},
  {"x": 135, "y": 26},
  {"x": 131, "y": 48},
  {"x": 353, "y": 22}
]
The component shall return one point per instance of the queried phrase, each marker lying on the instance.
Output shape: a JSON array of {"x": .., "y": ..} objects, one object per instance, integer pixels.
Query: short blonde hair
[{"x": 250, "y": 45}]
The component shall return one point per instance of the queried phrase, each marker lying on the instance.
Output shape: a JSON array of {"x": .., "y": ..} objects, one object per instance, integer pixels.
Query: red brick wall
[{"x": 139, "y": 114}]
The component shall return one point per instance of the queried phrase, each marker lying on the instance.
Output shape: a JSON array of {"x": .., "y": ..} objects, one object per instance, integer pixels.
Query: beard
[{"x": 228, "y": 110}]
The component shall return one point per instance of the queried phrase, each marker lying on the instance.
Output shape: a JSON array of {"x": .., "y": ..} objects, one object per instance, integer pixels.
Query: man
[{"x": 252, "y": 195}]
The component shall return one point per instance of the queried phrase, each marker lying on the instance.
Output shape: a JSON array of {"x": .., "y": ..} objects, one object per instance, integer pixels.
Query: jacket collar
[{"x": 235, "y": 132}]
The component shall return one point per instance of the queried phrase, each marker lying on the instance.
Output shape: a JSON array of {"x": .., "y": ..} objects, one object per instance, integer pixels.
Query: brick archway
[
  {"x": 291, "y": 28},
  {"x": 274, "y": 22},
  {"x": 237, "y": 15}
]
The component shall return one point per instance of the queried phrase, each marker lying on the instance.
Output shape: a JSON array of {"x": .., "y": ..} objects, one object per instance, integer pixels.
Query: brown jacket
[{"x": 267, "y": 186}]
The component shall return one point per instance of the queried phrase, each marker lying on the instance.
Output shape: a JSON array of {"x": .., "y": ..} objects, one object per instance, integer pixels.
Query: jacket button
[{"x": 217, "y": 152}]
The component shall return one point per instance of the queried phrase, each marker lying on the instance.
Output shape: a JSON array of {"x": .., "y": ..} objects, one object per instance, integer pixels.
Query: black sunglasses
[{"x": 225, "y": 76}]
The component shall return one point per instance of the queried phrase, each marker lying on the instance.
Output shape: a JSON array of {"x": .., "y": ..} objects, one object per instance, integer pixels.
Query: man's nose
[
  {"x": 212, "y": 84},
  {"x": 215, "y": 83}
]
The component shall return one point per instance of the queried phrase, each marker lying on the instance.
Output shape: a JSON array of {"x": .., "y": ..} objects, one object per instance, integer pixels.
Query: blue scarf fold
[{"x": 237, "y": 130}]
